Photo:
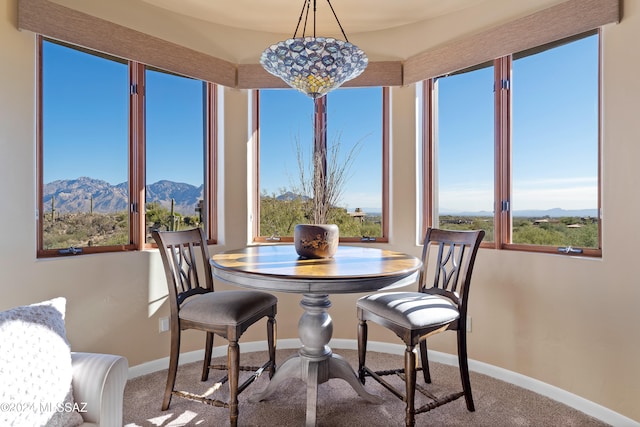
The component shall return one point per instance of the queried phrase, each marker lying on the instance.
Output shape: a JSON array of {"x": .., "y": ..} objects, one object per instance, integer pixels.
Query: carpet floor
[{"x": 497, "y": 403}]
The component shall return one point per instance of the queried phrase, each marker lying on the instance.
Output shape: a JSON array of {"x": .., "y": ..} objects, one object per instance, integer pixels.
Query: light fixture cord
[
  {"x": 306, "y": 5},
  {"x": 337, "y": 20}
]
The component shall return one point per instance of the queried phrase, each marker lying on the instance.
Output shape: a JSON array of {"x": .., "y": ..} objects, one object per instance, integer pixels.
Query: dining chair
[
  {"x": 440, "y": 304},
  {"x": 194, "y": 304}
]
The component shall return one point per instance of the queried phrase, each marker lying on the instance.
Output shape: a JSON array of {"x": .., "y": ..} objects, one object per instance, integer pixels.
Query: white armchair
[
  {"x": 42, "y": 382},
  {"x": 99, "y": 381}
]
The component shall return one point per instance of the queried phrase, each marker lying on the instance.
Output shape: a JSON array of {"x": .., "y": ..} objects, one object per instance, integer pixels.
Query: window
[
  {"x": 175, "y": 119},
  {"x": 513, "y": 147},
  {"x": 351, "y": 124},
  {"x": 355, "y": 120},
  {"x": 104, "y": 125},
  {"x": 555, "y": 149},
  {"x": 465, "y": 154},
  {"x": 85, "y": 150},
  {"x": 286, "y": 125}
]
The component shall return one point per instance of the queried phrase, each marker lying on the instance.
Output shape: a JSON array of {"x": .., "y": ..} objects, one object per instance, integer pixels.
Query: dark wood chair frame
[
  {"x": 178, "y": 250},
  {"x": 448, "y": 280}
]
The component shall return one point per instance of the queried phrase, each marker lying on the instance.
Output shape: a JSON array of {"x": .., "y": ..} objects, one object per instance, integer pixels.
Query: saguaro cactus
[{"x": 172, "y": 218}]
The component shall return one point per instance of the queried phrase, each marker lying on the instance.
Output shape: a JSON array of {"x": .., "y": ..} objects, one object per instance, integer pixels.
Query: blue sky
[
  {"x": 554, "y": 130},
  {"x": 554, "y": 133},
  {"x": 175, "y": 123},
  {"x": 555, "y": 154},
  {"x": 354, "y": 117},
  {"x": 80, "y": 139},
  {"x": 83, "y": 138}
]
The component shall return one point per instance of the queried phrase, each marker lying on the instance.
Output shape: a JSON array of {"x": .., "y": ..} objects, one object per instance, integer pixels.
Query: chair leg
[
  {"x": 233, "y": 364},
  {"x": 271, "y": 342},
  {"x": 362, "y": 349},
  {"x": 173, "y": 367},
  {"x": 208, "y": 348},
  {"x": 424, "y": 359},
  {"x": 410, "y": 383},
  {"x": 464, "y": 369}
]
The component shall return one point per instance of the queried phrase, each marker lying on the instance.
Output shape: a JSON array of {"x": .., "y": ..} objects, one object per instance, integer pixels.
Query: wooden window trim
[
  {"x": 428, "y": 155},
  {"x": 502, "y": 160},
  {"x": 211, "y": 163},
  {"x": 386, "y": 158},
  {"x": 40, "y": 252},
  {"x": 255, "y": 137},
  {"x": 137, "y": 163}
]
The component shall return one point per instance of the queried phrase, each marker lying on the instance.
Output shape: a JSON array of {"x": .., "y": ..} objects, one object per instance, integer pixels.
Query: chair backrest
[
  {"x": 183, "y": 252},
  {"x": 448, "y": 273}
]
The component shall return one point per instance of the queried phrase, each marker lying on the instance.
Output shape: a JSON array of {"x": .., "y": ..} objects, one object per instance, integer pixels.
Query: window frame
[
  {"x": 502, "y": 155},
  {"x": 136, "y": 158},
  {"x": 255, "y": 226}
]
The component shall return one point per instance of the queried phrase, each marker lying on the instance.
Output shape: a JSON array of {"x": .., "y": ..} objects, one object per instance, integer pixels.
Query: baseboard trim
[{"x": 581, "y": 404}]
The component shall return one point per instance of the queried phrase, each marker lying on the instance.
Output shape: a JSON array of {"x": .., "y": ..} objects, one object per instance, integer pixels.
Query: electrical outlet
[
  {"x": 468, "y": 323},
  {"x": 164, "y": 324}
]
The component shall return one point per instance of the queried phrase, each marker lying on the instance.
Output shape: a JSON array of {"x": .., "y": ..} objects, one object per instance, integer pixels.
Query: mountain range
[
  {"x": 75, "y": 195},
  {"x": 531, "y": 213}
]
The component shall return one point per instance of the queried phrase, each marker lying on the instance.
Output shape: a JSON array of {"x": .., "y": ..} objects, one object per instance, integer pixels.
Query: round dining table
[{"x": 353, "y": 269}]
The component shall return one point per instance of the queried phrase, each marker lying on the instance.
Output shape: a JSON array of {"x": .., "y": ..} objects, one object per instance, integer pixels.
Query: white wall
[{"x": 569, "y": 322}]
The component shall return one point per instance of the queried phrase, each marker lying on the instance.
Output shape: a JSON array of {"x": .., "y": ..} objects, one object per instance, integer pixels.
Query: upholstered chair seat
[
  {"x": 225, "y": 307},
  {"x": 411, "y": 310}
]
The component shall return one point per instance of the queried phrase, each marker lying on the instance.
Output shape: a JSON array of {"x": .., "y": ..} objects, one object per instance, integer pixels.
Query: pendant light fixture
[{"x": 314, "y": 65}]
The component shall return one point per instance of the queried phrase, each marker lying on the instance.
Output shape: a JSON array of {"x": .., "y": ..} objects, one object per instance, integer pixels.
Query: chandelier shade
[{"x": 314, "y": 65}]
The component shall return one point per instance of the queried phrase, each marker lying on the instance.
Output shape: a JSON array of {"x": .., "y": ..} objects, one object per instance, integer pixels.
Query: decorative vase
[{"x": 316, "y": 240}]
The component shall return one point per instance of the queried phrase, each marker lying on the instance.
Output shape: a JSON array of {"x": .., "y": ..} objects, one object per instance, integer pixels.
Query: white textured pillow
[{"x": 35, "y": 367}]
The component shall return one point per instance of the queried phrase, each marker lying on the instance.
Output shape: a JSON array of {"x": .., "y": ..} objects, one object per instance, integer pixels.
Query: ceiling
[
  {"x": 281, "y": 16},
  {"x": 238, "y": 31}
]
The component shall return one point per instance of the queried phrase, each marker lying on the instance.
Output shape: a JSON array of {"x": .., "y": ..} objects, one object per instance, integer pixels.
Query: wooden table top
[{"x": 279, "y": 268}]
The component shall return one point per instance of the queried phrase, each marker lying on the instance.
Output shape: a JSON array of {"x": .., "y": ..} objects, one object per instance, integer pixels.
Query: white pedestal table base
[{"x": 315, "y": 363}]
